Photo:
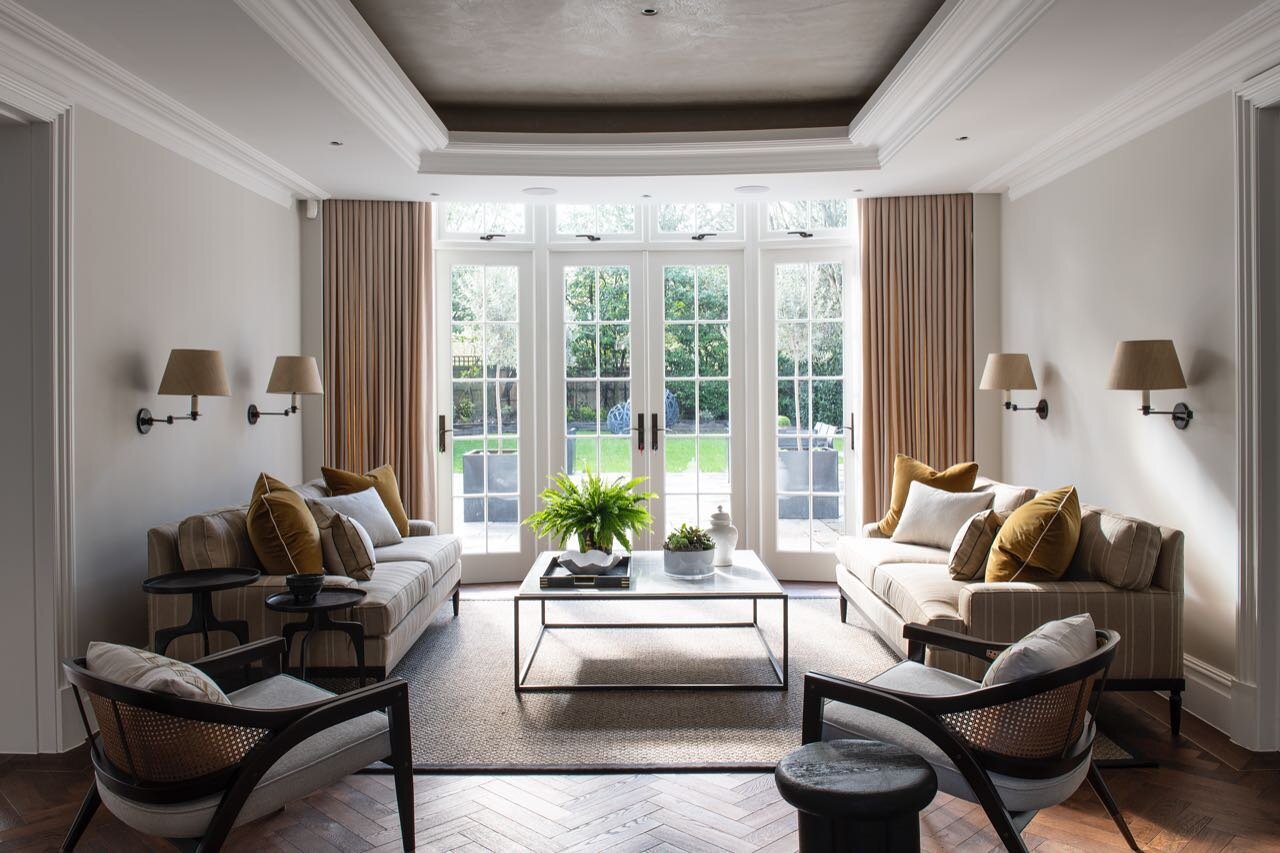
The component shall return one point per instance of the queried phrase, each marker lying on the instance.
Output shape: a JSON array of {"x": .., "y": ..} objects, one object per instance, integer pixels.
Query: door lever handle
[
  {"x": 441, "y": 430},
  {"x": 653, "y": 442},
  {"x": 639, "y": 427}
]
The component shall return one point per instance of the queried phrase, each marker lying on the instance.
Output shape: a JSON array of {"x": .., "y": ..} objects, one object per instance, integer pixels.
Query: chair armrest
[
  {"x": 918, "y": 636},
  {"x": 269, "y": 651},
  {"x": 421, "y": 527}
]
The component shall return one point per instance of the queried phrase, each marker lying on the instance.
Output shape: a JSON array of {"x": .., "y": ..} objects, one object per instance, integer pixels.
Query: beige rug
[{"x": 466, "y": 714}]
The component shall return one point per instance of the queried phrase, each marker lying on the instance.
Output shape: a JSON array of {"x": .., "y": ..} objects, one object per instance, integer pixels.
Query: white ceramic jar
[{"x": 725, "y": 537}]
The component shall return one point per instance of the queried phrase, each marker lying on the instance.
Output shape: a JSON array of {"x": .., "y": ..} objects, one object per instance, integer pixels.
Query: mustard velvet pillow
[
  {"x": 282, "y": 530},
  {"x": 382, "y": 479},
  {"x": 1038, "y": 539},
  {"x": 957, "y": 478}
]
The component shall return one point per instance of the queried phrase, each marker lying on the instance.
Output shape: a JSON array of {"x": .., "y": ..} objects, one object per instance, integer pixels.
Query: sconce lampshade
[
  {"x": 295, "y": 374},
  {"x": 195, "y": 372},
  {"x": 1145, "y": 366},
  {"x": 1007, "y": 371}
]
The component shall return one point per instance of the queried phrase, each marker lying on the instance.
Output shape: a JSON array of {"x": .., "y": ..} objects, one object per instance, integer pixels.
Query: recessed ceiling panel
[{"x": 605, "y": 66}]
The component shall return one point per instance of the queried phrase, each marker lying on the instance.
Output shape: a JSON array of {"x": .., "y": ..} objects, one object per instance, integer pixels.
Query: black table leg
[
  {"x": 321, "y": 621},
  {"x": 202, "y": 621}
]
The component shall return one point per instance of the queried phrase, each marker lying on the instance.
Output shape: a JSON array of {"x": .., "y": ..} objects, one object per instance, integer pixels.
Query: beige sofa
[
  {"x": 892, "y": 583},
  {"x": 409, "y": 584}
]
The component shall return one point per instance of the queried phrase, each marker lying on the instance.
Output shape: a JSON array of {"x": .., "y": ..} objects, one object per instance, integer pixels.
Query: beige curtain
[
  {"x": 378, "y": 357},
  {"x": 917, "y": 336}
]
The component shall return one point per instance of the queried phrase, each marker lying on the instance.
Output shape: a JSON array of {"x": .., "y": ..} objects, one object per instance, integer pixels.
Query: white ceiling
[{"x": 211, "y": 56}]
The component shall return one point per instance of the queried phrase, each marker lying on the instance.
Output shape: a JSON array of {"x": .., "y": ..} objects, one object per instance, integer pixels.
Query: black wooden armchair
[
  {"x": 190, "y": 770},
  {"x": 1012, "y": 748}
]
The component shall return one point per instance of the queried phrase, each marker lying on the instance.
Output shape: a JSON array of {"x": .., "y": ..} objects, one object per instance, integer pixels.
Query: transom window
[
  {"x": 697, "y": 218},
  {"x": 595, "y": 219},
  {"x": 815, "y": 215},
  {"x": 479, "y": 218}
]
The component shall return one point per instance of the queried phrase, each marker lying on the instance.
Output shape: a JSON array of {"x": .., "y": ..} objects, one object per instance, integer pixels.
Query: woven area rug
[{"x": 466, "y": 714}]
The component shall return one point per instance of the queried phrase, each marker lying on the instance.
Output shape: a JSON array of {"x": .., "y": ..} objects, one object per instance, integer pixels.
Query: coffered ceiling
[{"x": 605, "y": 66}]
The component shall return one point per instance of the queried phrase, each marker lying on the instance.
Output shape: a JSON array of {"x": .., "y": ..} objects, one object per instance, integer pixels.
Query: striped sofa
[
  {"x": 410, "y": 582},
  {"x": 1126, "y": 573}
]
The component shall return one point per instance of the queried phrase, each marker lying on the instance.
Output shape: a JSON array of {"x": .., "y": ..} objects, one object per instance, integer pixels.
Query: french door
[
  {"x": 810, "y": 387},
  {"x": 484, "y": 433}
]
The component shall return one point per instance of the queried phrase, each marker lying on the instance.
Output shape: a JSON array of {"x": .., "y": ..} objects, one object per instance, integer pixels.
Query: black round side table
[
  {"x": 200, "y": 584},
  {"x": 857, "y": 795},
  {"x": 318, "y": 619}
]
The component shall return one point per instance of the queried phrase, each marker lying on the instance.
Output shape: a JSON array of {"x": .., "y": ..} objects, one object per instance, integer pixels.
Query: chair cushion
[
  {"x": 845, "y": 721},
  {"x": 439, "y": 552},
  {"x": 957, "y": 478},
  {"x": 860, "y": 555},
  {"x": 1115, "y": 548},
  {"x": 1053, "y": 645},
  {"x": 921, "y": 592},
  {"x": 283, "y": 532},
  {"x": 318, "y": 761},
  {"x": 932, "y": 516},
  {"x": 383, "y": 479}
]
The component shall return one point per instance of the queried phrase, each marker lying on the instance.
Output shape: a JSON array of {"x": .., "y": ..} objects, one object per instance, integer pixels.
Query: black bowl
[{"x": 305, "y": 587}]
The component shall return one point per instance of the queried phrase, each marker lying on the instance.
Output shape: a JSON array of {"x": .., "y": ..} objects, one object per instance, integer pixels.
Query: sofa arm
[
  {"x": 1149, "y": 621},
  {"x": 872, "y": 531},
  {"x": 421, "y": 527}
]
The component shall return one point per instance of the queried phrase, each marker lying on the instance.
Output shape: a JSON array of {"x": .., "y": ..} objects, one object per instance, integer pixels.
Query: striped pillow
[
  {"x": 150, "y": 671},
  {"x": 346, "y": 545},
  {"x": 217, "y": 540},
  {"x": 1114, "y": 548},
  {"x": 972, "y": 544}
]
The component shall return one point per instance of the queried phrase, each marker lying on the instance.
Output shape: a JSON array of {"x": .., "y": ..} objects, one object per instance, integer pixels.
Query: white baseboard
[{"x": 1208, "y": 693}]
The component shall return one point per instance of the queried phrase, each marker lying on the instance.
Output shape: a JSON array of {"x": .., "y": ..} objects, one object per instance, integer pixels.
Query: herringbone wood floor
[{"x": 1207, "y": 795}]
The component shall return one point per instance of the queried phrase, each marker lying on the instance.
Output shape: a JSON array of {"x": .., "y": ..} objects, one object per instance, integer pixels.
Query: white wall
[
  {"x": 1137, "y": 244},
  {"x": 167, "y": 254}
]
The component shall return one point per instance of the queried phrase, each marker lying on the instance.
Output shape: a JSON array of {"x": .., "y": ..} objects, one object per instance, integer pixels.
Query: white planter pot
[{"x": 688, "y": 564}]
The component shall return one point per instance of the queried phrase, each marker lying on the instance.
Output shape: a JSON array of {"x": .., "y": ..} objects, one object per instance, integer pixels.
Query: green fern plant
[{"x": 596, "y": 513}]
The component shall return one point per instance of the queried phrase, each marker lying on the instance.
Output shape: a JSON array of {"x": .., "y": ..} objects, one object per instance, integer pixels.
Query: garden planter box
[
  {"x": 503, "y": 476},
  {"x": 793, "y": 476}
]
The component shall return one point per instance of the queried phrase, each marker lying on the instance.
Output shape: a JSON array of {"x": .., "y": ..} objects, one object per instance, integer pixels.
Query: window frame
[
  {"x": 475, "y": 238},
  {"x": 657, "y": 235},
  {"x": 558, "y": 240},
  {"x": 841, "y": 235}
]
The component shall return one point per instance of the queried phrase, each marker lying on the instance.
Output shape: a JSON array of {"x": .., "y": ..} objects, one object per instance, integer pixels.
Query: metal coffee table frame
[{"x": 523, "y": 665}]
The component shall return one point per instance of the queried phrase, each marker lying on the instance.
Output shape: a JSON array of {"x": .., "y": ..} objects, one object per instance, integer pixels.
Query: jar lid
[{"x": 719, "y": 514}]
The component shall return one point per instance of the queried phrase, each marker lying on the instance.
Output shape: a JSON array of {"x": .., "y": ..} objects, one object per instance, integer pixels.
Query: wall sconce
[
  {"x": 292, "y": 375},
  {"x": 190, "y": 372},
  {"x": 1148, "y": 366},
  {"x": 1011, "y": 371}
]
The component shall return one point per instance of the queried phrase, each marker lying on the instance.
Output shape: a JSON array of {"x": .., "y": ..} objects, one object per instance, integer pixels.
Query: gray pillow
[
  {"x": 1051, "y": 646},
  {"x": 933, "y": 517},
  {"x": 365, "y": 507}
]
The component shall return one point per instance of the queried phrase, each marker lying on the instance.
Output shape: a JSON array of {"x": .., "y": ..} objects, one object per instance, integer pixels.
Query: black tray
[{"x": 558, "y": 577}]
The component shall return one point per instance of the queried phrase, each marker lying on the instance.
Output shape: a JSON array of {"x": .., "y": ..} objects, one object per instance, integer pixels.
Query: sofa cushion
[
  {"x": 217, "y": 540},
  {"x": 395, "y": 588},
  {"x": 345, "y": 543},
  {"x": 933, "y": 516},
  {"x": 440, "y": 552},
  {"x": 861, "y": 555},
  {"x": 957, "y": 478},
  {"x": 283, "y": 532},
  {"x": 383, "y": 479},
  {"x": 365, "y": 507},
  {"x": 1006, "y": 498},
  {"x": 1038, "y": 540},
  {"x": 921, "y": 592},
  {"x": 313, "y": 489},
  {"x": 969, "y": 550},
  {"x": 1117, "y": 549}
]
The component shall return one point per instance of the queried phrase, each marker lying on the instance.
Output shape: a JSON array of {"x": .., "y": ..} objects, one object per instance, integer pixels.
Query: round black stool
[{"x": 857, "y": 795}]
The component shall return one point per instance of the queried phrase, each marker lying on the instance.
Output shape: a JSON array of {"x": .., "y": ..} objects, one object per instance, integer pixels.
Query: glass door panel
[{"x": 484, "y": 490}]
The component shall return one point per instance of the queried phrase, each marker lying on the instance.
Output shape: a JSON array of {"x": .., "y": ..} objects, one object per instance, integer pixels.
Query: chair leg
[
  {"x": 1104, "y": 793},
  {"x": 402, "y": 766},
  {"x": 1175, "y": 711},
  {"x": 87, "y": 808}
]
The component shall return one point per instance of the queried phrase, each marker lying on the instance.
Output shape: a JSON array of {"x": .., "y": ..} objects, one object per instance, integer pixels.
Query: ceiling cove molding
[
  {"x": 47, "y": 71},
  {"x": 331, "y": 40},
  {"x": 1214, "y": 66},
  {"x": 689, "y": 155},
  {"x": 961, "y": 41}
]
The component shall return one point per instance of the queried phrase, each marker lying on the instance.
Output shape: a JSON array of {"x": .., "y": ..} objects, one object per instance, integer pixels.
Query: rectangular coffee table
[{"x": 748, "y": 579}]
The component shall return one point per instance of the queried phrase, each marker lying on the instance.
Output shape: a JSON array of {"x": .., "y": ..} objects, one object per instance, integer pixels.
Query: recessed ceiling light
[
  {"x": 858, "y": 189},
  {"x": 336, "y": 143},
  {"x": 962, "y": 139},
  {"x": 539, "y": 191},
  {"x": 648, "y": 11},
  {"x": 751, "y": 189},
  {"x": 434, "y": 195},
  {"x": 645, "y": 195}
]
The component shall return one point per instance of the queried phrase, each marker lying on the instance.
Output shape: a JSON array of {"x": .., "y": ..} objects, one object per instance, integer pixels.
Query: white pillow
[
  {"x": 1051, "y": 646},
  {"x": 368, "y": 509},
  {"x": 150, "y": 671},
  {"x": 933, "y": 517}
]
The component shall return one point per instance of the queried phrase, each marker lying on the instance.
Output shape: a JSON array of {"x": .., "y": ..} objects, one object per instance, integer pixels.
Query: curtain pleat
[
  {"x": 917, "y": 341},
  {"x": 378, "y": 354}
]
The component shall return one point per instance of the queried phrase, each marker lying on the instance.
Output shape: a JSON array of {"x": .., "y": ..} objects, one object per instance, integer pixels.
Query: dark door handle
[
  {"x": 639, "y": 427},
  {"x": 653, "y": 443},
  {"x": 442, "y": 430},
  {"x": 852, "y": 431}
]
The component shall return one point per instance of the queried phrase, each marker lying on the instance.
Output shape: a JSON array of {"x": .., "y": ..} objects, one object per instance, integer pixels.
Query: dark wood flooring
[{"x": 1207, "y": 795}]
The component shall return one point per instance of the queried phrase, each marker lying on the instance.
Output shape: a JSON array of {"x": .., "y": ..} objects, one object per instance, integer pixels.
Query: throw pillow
[
  {"x": 365, "y": 507},
  {"x": 383, "y": 479},
  {"x": 957, "y": 478},
  {"x": 932, "y": 516},
  {"x": 216, "y": 540},
  {"x": 346, "y": 545},
  {"x": 150, "y": 671},
  {"x": 1038, "y": 539},
  {"x": 969, "y": 549},
  {"x": 1051, "y": 646},
  {"x": 1116, "y": 549},
  {"x": 283, "y": 532}
]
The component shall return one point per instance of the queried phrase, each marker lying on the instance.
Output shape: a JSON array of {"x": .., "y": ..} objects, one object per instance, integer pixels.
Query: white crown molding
[
  {"x": 647, "y": 155},
  {"x": 1212, "y": 67},
  {"x": 45, "y": 71},
  {"x": 332, "y": 41},
  {"x": 961, "y": 41}
]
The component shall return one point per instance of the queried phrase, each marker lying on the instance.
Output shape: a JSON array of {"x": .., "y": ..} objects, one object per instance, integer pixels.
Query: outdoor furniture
[
  {"x": 857, "y": 795},
  {"x": 1013, "y": 748},
  {"x": 200, "y": 584},
  {"x": 748, "y": 580},
  {"x": 190, "y": 770},
  {"x": 317, "y": 611}
]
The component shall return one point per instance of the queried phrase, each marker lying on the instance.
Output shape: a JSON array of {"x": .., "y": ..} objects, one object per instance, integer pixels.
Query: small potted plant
[
  {"x": 596, "y": 514},
  {"x": 688, "y": 553}
]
